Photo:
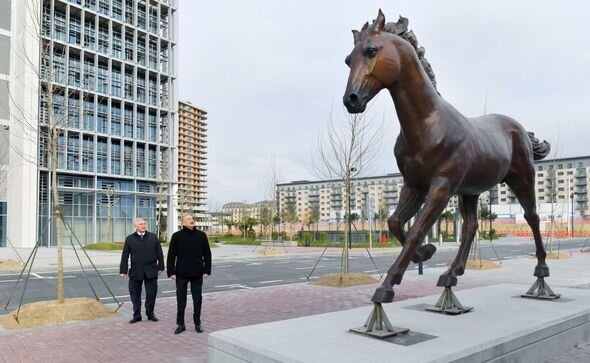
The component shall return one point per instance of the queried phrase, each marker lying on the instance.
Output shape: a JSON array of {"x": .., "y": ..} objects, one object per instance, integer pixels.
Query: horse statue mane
[{"x": 400, "y": 28}]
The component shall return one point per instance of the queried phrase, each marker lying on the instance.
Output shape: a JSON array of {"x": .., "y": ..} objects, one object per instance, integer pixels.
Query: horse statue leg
[
  {"x": 436, "y": 201},
  {"x": 410, "y": 201},
  {"x": 522, "y": 183},
  {"x": 468, "y": 209}
]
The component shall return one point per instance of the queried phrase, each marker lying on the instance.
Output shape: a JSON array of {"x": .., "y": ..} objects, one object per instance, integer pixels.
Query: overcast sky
[{"x": 269, "y": 73}]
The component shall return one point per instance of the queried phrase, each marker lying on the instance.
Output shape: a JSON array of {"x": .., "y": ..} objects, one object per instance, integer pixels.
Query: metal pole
[
  {"x": 349, "y": 216},
  {"x": 572, "y": 198}
]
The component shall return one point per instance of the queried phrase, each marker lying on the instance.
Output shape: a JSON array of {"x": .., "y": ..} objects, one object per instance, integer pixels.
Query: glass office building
[{"x": 107, "y": 77}]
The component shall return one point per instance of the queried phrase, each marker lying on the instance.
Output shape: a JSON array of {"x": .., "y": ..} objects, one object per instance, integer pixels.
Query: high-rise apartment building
[
  {"x": 563, "y": 183},
  {"x": 192, "y": 163},
  {"x": 103, "y": 74}
]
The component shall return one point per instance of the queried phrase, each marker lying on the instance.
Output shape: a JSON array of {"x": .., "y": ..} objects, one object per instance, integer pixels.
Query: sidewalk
[{"x": 114, "y": 340}]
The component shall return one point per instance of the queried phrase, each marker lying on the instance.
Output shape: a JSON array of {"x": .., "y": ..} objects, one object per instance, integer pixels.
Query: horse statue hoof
[
  {"x": 424, "y": 254},
  {"x": 383, "y": 294},
  {"x": 447, "y": 281},
  {"x": 541, "y": 271}
]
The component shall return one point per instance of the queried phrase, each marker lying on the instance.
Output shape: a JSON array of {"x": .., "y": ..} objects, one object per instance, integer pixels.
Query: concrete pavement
[{"x": 114, "y": 340}]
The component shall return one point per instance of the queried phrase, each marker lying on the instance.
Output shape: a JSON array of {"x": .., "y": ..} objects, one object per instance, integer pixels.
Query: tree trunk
[{"x": 57, "y": 214}]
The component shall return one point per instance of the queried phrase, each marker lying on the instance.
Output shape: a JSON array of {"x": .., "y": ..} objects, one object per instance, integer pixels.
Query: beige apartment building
[
  {"x": 237, "y": 211},
  {"x": 192, "y": 164},
  {"x": 561, "y": 190}
]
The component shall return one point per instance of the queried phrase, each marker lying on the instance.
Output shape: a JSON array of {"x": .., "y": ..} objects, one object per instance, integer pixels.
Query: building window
[
  {"x": 129, "y": 83},
  {"x": 102, "y": 118},
  {"x": 103, "y": 38},
  {"x": 88, "y": 153},
  {"x": 129, "y": 11},
  {"x": 141, "y": 50},
  {"x": 118, "y": 9},
  {"x": 74, "y": 70},
  {"x": 153, "y": 19},
  {"x": 115, "y": 157},
  {"x": 140, "y": 161},
  {"x": 104, "y": 7},
  {"x": 103, "y": 78},
  {"x": 153, "y": 91},
  {"x": 59, "y": 66},
  {"x": 73, "y": 112},
  {"x": 128, "y": 159},
  {"x": 88, "y": 119},
  {"x": 91, "y": 4},
  {"x": 117, "y": 43},
  {"x": 116, "y": 81},
  {"x": 141, "y": 87},
  {"x": 128, "y": 126},
  {"x": 115, "y": 119},
  {"x": 75, "y": 29},
  {"x": 59, "y": 24},
  {"x": 153, "y": 55},
  {"x": 152, "y": 126},
  {"x": 73, "y": 161},
  {"x": 89, "y": 33},
  {"x": 101, "y": 155},
  {"x": 140, "y": 124},
  {"x": 141, "y": 16},
  {"x": 129, "y": 43},
  {"x": 152, "y": 160},
  {"x": 89, "y": 74}
]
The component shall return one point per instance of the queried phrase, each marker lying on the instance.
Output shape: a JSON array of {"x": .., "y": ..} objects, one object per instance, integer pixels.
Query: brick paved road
[{"x": 114, "y": 340}]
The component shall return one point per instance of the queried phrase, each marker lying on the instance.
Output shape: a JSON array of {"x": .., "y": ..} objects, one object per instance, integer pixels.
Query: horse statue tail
[{"x": 540, "y": 149}]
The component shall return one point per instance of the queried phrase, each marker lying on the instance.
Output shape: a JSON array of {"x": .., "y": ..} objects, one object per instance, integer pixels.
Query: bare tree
[
  {"x": 184, "y": 201},
  {"x": 108, "y": 200},
  {"x": 163, "y": 192},
  {"x": 60, "y": 98},
  {"x": 345, "y": 152},
  {"x": 272, "y": 178}
]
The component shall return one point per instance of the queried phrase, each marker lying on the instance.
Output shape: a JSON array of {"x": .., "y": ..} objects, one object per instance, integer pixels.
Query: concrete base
[{"x": 503, "y": 327}]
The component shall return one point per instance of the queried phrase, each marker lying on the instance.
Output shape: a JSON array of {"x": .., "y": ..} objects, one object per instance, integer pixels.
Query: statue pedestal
[{"x": 502, "y": 325}]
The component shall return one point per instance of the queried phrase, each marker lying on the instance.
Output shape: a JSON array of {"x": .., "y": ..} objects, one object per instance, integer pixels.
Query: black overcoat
[{"x": 146, "y": 256}]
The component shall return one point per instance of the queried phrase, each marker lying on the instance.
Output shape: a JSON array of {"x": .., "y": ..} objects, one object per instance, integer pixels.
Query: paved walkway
[{"x": 114, "y": 340}]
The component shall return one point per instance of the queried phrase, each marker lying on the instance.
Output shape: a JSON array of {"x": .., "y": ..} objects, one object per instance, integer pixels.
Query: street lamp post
[
  {"x": 572, "y": 217},
  {"x": 352, "y": 170}
]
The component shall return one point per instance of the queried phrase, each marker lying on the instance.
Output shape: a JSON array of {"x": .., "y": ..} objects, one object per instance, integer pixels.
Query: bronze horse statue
[{"x": 439, "y": 152}]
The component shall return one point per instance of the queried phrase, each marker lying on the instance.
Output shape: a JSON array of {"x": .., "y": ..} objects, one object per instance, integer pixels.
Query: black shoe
[
  {"x": 179, "y": 329},
  {"x": 153, "y": 318},
  {"x": 199, "y": 328},
  {"x": 134, "y": 320}
]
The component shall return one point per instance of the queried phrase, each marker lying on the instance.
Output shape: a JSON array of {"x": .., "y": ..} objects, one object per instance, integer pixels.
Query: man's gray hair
[{"x": 137, "y": 221}]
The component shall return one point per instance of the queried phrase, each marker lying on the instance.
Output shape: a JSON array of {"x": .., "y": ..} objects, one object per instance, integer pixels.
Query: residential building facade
[
  {"x": 104, "y": 74},
  {"x": 562, "y": 183},
  {"x": 192, "y": 164},
  {"x": 237, "y": 211}
]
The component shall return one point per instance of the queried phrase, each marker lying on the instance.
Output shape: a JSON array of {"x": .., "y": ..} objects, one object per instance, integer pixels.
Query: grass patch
[
  {"x": 118, "y": 246},
  {"x": 234, "y": 240},
  {"x": 105, "y": 246},
  {"x": 376, "y": 244}
]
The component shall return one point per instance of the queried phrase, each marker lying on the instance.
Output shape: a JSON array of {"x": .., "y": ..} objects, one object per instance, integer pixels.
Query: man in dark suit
[
  {"x": 189, "y": 260},
  {"x": 147, "y": 262}
]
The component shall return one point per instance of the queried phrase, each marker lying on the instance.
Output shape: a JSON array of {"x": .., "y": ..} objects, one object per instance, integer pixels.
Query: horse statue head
[{"x": 376, "y": 61}]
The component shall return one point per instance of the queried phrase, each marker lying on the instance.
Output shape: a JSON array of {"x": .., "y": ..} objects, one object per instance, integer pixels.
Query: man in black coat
[
  {"x": 147, "y": 262},
  {"x": 189, "y": 260}
]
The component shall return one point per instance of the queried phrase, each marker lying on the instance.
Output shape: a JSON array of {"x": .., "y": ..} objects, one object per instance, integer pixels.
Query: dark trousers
[
  {"x": 151, "y": 289},
  {"x": 181, "y": 289}
]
